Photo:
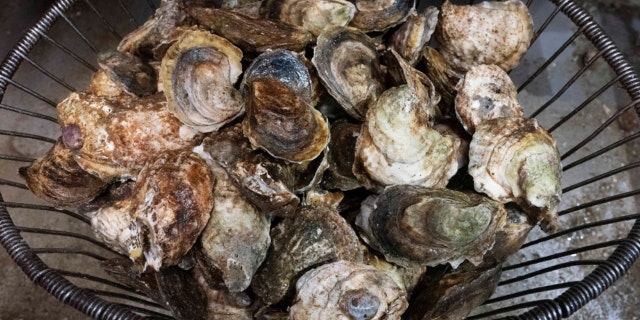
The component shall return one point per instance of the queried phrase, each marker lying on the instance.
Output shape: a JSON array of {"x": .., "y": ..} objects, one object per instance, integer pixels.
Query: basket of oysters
[{"x": 308, "y": 159}]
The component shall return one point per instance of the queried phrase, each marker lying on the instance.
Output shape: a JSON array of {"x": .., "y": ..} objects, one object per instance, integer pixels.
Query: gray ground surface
[{"x": 20, "y": 299}]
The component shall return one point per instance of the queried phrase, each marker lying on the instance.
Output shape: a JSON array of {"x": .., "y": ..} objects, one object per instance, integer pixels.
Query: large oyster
[
  {"x": 113, "y": 138},
  {"x": 380, "y": 15},
  {"x": 317, "y": 234},
  {"x": 416, "y": 225},
  {"x": 197, "y": 74},
  {"x": 513, "y": 159},
  {"x": 485, "y": 92},
  {"x": 57, "y": 178},
  {"x": 311, "y": 15},
  {"x": 347, "y": 290},
  {"x": 490, "y": 32},
  {"x": 348, "y": 65}
]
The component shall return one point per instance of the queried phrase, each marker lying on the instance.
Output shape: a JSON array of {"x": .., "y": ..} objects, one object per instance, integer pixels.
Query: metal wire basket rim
[{"x": 576, "y": 296}]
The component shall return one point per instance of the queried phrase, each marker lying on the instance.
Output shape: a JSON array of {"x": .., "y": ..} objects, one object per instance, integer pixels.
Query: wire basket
[{"x": 580, "y": 99}]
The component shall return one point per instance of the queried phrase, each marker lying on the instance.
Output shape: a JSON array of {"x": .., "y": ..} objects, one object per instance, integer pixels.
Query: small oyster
[
  {"x": 311, "y": 15},
  {"x": 347, "y": 290},
  {"x": 340, "y": 155},
  {"x": 453, "y": 295},
  {"x": 490, "y": 32},
  {"x": 398, "y": 146},
  {"x": 513, "y": 159},
  {"x": 150, "y": 40},
  {"x": 130, "y": 72},
  {"x": 56, "y": 178},
  {"x": 380, "y": 15},
  {"x": 236, "y": 237},
  {"x": 316, "y": 234},
  {"x": 485, "y": 92},
  {"x": 348, "y": 65},
  {"x": 197, "y": 74},
  {"x": 444, "y": 78},
  {"x": 414, "y": 225},
  {"x": 113, "y": 138},
  {"x": 250, "y": 34},
  {"x": 247, "y": 168},
  {"x": 282, "y": 123},
  {"x": 414, "y": 34}
]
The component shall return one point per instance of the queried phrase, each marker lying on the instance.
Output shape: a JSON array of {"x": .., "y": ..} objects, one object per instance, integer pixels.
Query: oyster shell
[
  {"x": 485, "y": 92},
  {"x": 113, "y": 138},
  {"x": 414, "y": 34},
  {"x": 348, "y": 66},
  {"x": 444, "y": 79},
  {"x": 510, "y": 237},
  {"x": 513, "y": 159},
  {"x": 250, "y": 34},
  {"x": 311, "y": 15},
  {"x": 406, "y": 278},
  {"x": 197, "y": 74},
  {"x": 453, "y": 295},
  {"x": 58, "y": 179},
  {"x": 490, "y": 32},
  {"x": 130, "y": 72},
  {"x": 151, "y": 39},
  {"x": 415, "y": 225},
  {"x": 102, "y": 85},
  {"x": 347, "y": 290},
  {"x": 317, "y": 234},
  {"x": 247, "y": 168},
  {"x": 236, "y": 237},
  {"x": 397, "y": 145},
  {"x": 341, "y": 155},
  {"x": 282, "y": 123},
  {"x": 114, "y": 226},
  {"x": 380, "y": 15},
  {"x": 222, "y": 304}
]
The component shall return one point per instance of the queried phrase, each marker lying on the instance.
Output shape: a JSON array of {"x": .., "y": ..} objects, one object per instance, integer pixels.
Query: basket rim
[{"x": 567, "y": 303}]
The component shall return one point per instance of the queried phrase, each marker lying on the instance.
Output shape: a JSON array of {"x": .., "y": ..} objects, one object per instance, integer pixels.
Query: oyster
[
  {"x": 311, "y": 15},
  {"x": 282, "y": 123},
  {"x": 56, "y": 178},
  {"x": 398, "y": 146},
  {"x": 513, "y": 159},
  {"x": 414, "y": 34},
  {"x": 490, "y": 32},
  {"x": 316, "y": 234},
  {"x": 444, "y": 78},
  {"x": 250, "y": 34},
  {"x": 130, "y": 72},
  {"x": 151, "y": 39},
  {"x": 114, "y": 225},
  {"x": 485, "y": 92},
  {"x": 380, "y": 15},
  {"x": 510, "y": 237},
  {"x": 197, "y": 74},
  {"x": 236, "y": 237},
  {"x": 113, "y": 138},
  {"x": 348, "y": 66},
  {"x": 247, "y": 168},
  {"x": 222, "y": 304},
  {"x": 103, "y": 86},
  {"x": 347, "y": 290},
  {"x": 341, "y": 155},
  {"x": 453, "y": 295},
  {"x": 415, "y": 225},
  {"x": 406, "y": 277}
]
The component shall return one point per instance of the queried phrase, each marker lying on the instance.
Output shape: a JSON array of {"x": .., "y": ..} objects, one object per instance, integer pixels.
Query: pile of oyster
[{"x": 309, "y": 159}]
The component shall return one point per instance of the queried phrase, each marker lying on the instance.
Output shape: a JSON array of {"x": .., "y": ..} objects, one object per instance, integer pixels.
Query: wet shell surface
[
  {"x": 311, "y": 15},
  {"x": 490, "y": 32},
  {"x": 380, "y": 15},
  {"x": 347, "y": 290},
  {"x": 197, "y": 74},
  {"x": 514, "y": 159}
]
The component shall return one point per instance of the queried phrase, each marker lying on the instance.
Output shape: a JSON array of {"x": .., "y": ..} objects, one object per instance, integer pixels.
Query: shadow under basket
[{"x": 573, "y": 80}]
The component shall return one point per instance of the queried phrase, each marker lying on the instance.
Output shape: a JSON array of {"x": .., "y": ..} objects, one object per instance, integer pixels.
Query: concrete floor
[{"x": 20, "y": 299}]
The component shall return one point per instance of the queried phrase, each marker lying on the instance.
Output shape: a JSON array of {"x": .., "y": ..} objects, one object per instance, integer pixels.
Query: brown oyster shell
[
  {"x": 380, "y": 15},
  {"x": 197, "y": 75},
  {"x": 222, "y": 304},
  {"x": 413, "y": 225},
  {"x": 414, "y": 34},
  {"x": 250, "y": 34},
  {"x": 490, "y": 32},
  {"x": 485, "y": 92},
  {"x": 341, "y": 155},
  {"x": 311, "y": 15},
  {"x": 58, "y": 179},
  {"x": 135, "y": 76},
  {"x": 317, "y": 234},
  {"x": 117, "y": 136},
  {"x": 348, "y": 66},
  {"x": 444, "y": 78},
  {"x": 347, "y": 290},
  {"x": 514, "y": 159}
]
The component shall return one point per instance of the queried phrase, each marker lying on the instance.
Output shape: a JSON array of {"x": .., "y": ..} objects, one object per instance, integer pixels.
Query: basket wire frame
[{"x": 129, "y": 304}]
